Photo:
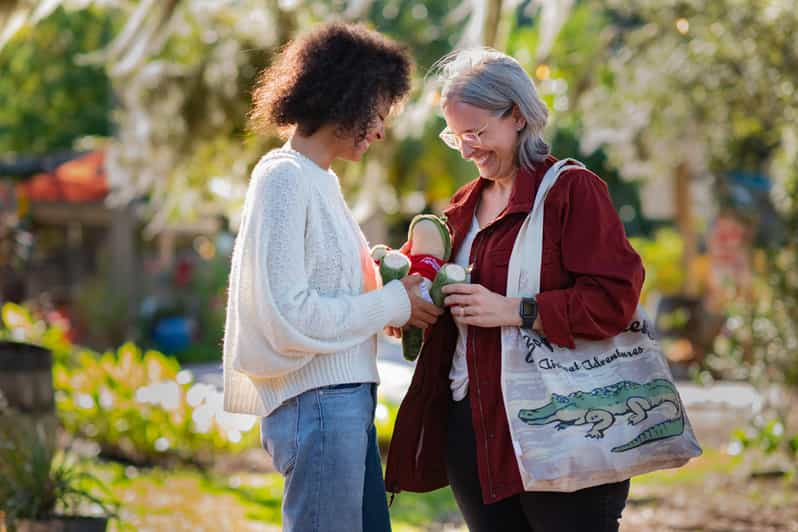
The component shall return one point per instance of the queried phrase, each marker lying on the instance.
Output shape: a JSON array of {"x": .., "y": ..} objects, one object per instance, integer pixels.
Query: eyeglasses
[
  {"x": 455, "y": 141},
  {"x": 474, "y": 137}
]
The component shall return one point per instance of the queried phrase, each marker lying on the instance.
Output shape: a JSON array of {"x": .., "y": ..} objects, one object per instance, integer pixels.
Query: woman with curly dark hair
[{"x": 304, "y": 303}]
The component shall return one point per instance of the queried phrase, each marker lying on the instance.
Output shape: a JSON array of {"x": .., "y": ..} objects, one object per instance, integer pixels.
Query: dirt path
[{"x": 727, "y": 504}]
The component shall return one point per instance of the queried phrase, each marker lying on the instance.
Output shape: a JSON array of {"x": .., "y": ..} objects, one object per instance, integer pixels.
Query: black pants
[{"x": 596, "y": 509}]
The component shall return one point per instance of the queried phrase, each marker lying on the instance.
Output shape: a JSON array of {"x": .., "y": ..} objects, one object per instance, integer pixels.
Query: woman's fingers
[
  {"x": 429, "y": 308},
  {"x": 424, "y": 319},
  {"x": 473, "y": 304},
  {"x": 421, "y": 322},
  {"x": 473, "y": 321},
  {"x": 422, "y": 312},
  {"x": 460, "y": 300},
  {"x": 393, "y": 332},
  {"x": 410, "y": 282},
  {"x": 463, "y": 294},
  {"x": 461, "y": 288}
]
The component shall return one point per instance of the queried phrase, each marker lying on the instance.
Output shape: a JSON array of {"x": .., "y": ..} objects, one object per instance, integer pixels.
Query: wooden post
[
  {"x": 684, "y": 221},
  {"x": 75, "y": 252},
  {"x": 124, "y": 266}
]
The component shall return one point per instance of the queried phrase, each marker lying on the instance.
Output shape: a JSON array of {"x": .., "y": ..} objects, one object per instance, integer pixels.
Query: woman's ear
[{"x": 518, "y": 119}]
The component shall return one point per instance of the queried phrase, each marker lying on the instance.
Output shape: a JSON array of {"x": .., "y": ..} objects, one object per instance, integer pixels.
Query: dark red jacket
[{"x": 590, "y": 286}]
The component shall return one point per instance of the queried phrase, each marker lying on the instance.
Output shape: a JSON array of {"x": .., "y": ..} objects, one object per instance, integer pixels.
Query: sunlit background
[{"x": 124, "y": 160}]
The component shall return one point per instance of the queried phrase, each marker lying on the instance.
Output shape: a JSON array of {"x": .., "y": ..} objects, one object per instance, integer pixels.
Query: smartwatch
[{"x": 528, "y": 312}]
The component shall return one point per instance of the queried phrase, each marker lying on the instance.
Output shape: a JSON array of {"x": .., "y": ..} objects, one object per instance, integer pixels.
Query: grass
[
  {"x": 413, "y": 512},
  {"x": 188, "y": 499},
  {"x": 713, "y": 461}
]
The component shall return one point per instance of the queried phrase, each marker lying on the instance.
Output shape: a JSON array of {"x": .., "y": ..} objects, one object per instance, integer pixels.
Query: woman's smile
[{"x": 482, "y": 158}]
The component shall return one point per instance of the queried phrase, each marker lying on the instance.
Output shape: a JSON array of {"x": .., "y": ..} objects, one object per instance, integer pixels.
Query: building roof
[{"x": 76, "y": 181}]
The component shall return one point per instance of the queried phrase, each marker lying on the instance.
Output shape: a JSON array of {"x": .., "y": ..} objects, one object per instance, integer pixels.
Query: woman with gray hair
[{"x": 452, "y": 427}]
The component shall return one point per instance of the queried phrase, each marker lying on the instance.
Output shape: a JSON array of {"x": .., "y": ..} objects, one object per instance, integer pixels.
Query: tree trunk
[
  {"x": 684, "y": 221},
  {"x": 493, "y": 17}
]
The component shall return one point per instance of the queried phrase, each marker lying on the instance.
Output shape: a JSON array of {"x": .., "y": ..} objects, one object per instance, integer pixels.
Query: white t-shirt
[{"x": 459, "y": 372}]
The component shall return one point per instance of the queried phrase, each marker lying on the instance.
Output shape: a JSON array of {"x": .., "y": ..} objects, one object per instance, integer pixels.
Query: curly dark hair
[{"x": 337, "y": 74}]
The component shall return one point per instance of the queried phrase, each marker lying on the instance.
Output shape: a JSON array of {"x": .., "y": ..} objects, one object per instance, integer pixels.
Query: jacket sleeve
[
  {"x": 273, "y": 283},
  {"x": 608, "y": 273}
]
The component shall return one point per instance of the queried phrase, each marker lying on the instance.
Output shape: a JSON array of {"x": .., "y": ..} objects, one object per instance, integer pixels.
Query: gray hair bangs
[{"x": 496, "y": 82}]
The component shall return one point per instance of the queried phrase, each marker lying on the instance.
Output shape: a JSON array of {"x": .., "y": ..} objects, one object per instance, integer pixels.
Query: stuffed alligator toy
[{"x": 429, "y": 246}]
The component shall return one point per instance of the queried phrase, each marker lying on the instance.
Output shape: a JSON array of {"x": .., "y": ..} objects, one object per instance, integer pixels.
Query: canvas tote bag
[{"x": 602, "y": 412}]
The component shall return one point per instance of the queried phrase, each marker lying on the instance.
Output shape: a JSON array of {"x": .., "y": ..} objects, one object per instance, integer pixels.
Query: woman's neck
[
  {"x": 317, "y": 147},
  {"x": 494, "y": 200},
  {"x": 503, "y": 186}
]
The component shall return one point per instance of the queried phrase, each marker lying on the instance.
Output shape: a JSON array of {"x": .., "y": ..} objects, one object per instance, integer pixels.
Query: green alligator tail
[{"x": 660, "y": 431}]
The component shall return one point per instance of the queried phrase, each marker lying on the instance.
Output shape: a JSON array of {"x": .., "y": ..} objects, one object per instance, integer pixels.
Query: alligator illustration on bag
[{"x": 601, "y": 406}]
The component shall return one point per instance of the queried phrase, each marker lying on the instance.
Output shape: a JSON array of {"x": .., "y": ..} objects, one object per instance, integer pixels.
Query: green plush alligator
[{"x": 601, "y": 406}]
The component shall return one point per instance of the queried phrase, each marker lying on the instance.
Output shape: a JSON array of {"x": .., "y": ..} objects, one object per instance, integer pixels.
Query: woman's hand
[
  {"x": 393, "y": 332},
  {"x": 422, "y": 312},
  {"x": 473, "y": 304}
]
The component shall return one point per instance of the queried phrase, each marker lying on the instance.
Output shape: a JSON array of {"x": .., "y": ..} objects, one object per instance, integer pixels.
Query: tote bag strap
[{"x": 528, "y": 247}]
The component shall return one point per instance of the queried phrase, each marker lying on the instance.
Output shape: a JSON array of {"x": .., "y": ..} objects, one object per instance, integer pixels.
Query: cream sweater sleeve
[{"x": 291, "y": 316}]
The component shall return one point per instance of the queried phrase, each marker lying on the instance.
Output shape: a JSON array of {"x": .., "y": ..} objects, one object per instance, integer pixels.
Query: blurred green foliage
[
  {"x": 36, "y": 480},
  {"x": 137, "y": 406},
  {"x": 50, "y": 99},
  {"x": 209, "y": 289},
  {"x": 103, "y": 311},
  {"x": 769, "y": 436},
  {"x": 201, "y": 80},
  {"x": 759, "y": 342},
  {"x": 662, "y": 259},
  {"x": 707, "y": 84},
  {"x": 140, "y": 406},
  {"x": 19, "y": 325},
  {"x": 384, "y": 420}
]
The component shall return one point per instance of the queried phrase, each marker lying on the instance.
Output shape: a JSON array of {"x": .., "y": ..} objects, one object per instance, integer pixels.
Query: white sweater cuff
[{"x": 397, "y": 304}]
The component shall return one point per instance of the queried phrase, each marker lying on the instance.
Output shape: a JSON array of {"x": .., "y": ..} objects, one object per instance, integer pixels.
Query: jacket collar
[{"x": 527, "y": 180}]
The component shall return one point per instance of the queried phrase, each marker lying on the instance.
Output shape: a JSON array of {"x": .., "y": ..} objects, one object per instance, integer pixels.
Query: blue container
[{"x": 172, "y": 334}]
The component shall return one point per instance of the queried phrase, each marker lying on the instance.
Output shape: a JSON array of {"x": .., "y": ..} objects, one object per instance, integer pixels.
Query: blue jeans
[{"x": 325, "y": 445}]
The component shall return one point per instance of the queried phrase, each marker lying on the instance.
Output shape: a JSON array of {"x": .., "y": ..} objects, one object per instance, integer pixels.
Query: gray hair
[{"x": 496, "y": 82}]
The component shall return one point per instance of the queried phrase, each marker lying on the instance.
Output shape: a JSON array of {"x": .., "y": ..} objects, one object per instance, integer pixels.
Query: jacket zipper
[{"x": 479, "y": 394}]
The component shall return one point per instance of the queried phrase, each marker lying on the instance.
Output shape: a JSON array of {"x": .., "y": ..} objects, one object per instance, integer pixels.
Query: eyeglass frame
[{"x": 455, "y": 141}]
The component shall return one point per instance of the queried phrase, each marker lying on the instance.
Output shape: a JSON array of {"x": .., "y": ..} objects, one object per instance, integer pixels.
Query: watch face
[{"x": 527, "y": 308}]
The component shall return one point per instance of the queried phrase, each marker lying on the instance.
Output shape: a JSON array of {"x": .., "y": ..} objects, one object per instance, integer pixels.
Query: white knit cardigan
[{"x": 297, "y": 314}]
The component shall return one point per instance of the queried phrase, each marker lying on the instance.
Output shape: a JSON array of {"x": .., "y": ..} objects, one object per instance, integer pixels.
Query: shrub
[
  {"x": 36, "y": 481},
  {"x": 138, "y": 406}
]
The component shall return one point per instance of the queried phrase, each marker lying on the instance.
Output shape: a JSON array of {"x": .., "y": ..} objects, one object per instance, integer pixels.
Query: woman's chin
[
  {"x": 485, "y": 165},
  {"x": 354, "y": 156},
  {"x": 360, "y": 150},
  {"x": 486, "y": 171}
]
